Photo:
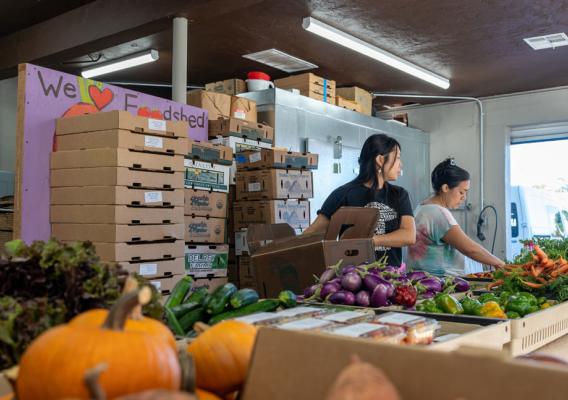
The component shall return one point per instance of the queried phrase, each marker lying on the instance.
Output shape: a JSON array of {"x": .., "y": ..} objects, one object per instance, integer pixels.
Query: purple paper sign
[{"x": 49, "y": 95}]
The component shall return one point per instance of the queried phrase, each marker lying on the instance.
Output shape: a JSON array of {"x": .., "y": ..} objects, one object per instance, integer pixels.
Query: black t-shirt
[{"x": 392, "y": 201}]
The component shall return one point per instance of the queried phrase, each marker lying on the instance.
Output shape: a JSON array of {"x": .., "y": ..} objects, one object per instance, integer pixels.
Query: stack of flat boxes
[
  {"x": 117, "y": 181},
  {"x": 273, "y": 186}
]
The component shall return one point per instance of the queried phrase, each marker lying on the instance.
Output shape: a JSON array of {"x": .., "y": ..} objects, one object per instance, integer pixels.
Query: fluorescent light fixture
[
  {"x": 367, "y": 49},
  {"x": 122, "y": 63}
]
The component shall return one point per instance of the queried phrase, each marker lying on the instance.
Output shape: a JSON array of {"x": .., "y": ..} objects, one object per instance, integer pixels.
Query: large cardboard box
[
  {"x": 164, "y": 285},
  {"x": 122, "y": 139},
  {"x": 115, "y": 214},
  {"x": 276, "y": 158},
  {"x": 309, "y": 85},
  {"x": 228, "y": 86},
  {"x": 241, "y": 128},
  {"x": 358, "y": 95},
  {"x": 204, "y": 203},
  {"x": 120, "y": 195},
  {"x": 104, "y": 121},
  {"x": 295, "y": 213},
  {"x": 156, "y": 269},
  {"x": 206, "y": 176},
  {"x": 309, "y": 363},
  {"x": 239, "y": 144},
  {"x": 114, "y": 233},
  {"x": 274, "y": 184},
  {"x": 290, "y": 262},
  {"x": 348, "y": 104},
  {"x": 203, "y": 261},
  {"x": 243, "y": 108},
  {"x": 135, "y": 160},
  {"x": 211, "y": 152},
  {"x": 205, "y": 230},
  {"x": 122, "y": 252},
  {"x": 217, "y": 104},
  {"x": 210, "y": 283},
  {"x": 116, "y": 176}
]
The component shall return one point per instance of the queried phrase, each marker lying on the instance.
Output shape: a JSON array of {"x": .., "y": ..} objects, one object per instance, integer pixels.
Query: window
[{"x": 514, "y": 221}]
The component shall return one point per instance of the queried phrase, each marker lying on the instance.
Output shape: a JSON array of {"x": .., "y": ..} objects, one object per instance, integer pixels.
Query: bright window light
[
  {"x": 351, "y": 42},
  {"x": 128, "y": 62}
]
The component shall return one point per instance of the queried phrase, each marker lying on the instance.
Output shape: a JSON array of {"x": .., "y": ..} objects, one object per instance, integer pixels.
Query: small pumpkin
[
  {"x": 54, "y": 365},
  {"x": 205, "y": 395},
  {"x": 222, "y": 354}
]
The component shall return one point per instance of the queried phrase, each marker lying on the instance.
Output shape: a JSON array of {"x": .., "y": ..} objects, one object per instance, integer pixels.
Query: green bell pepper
[
  {"x": 485, "y": 297},
  {"x": 470, "y": 306},
  {"x": 529, "y": 297},
  {"x": 448, "y": 304},
  {"x": 428, "y": 306},
  {"x": 542, "y": 300},
  {"x": 504, "y": 298},
  {"x": 522, "y": 305},
  {"x": 512, "y": 315}
]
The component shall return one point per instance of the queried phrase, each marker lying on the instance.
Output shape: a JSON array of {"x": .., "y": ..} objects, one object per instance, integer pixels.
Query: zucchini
[
  {"x": 243, "y": 297},
  {"x": 287, "y": 298},
  {"x": 189, "y": 319},
  {"x": 179, "y": 292},
  {"x": 198, "y": 296},
  {"x": 216, "y": 303},
  {"x": 173, "y": 323},
  {"x": 184, "y": 308},
  {"x": 261, "y": 306}
]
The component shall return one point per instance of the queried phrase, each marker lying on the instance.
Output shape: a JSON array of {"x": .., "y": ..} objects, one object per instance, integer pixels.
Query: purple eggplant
[
  {"x": 327, "y": 275},
  {"x": 460, "y": 284},
  {"x": 379, "y": 298},
  {"x": 351, "y": 281},
  {"x": 431, "y": 284},
  {"x": 415, "y": 276},
  {"x": 375, "y": 270},
  {"x": 337, "y": 281},
  {"x": 371, "y": 281},
  {"x": 329, "y": 288},
  {"x": 348, "y": 269},
  {"x": 363, "y": 298},
  {"x": 427, "y": 295},
  {"x": 310, "y": 291},
  {"x": 349, "y": 298},
  {"x": 342, "y": 297}
]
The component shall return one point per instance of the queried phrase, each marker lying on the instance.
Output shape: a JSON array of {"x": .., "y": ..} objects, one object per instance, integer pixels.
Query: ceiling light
[
  {"x": 547, "y": 41},
  {"x": 122, "y": 63},
  {"x": 351, "y": 42},
  {"x": 278, "y": 59}
]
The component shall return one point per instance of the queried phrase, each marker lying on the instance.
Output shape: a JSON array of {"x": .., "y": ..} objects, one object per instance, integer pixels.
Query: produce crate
[
  {"x": 494, "y": 337},
  {"x": 310, "y": 85}
]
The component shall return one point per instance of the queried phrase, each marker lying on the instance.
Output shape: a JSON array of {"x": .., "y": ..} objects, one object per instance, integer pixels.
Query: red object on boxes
[{"x": 258, "y": 75}]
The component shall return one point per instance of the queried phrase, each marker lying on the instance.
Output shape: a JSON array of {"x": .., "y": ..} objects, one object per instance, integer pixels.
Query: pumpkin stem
[
  {"x": 96, "y": 392},
  {"x": 200, "y": 327},
  {"x": 131, "y": 285},
  {"x": 119, "y": 312},
  {"x": 11, "y": 376},
  {"x": 187, "y": 371}
]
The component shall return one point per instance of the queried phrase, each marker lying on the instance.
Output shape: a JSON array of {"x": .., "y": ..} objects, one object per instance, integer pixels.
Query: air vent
[
  {"x": 280, "y": 60},
  {"x": 547, "y": 41}
]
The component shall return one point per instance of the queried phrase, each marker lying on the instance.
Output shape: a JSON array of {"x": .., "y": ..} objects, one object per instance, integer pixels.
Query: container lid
[{"x": 258, "y": 75}]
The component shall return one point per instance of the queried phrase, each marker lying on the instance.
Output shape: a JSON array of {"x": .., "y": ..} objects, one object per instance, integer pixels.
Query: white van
[{"x": 537, "y": 213}]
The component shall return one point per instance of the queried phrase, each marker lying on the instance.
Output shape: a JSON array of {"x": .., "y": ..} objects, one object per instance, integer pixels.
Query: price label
[{"x": 157, "y": 124}]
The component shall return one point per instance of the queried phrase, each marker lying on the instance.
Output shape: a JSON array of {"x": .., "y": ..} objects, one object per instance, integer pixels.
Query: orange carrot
[
  {"x": 532, "y": 284},
  {"x": 498, "y": 282},
  {"x": 540, "y": 254}
]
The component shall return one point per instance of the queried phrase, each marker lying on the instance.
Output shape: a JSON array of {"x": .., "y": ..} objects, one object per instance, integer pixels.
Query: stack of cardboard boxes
[
  {"x": 6, "y": 219},
  {"x": 117, "y": 181}
]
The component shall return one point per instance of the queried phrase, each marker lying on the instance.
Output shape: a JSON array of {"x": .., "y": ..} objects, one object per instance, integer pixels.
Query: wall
[
  {"x": 454, "y": 131},
  {"x": 8, "y": 103}
]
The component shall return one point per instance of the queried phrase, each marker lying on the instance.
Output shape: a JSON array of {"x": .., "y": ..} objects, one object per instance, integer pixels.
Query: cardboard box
[
  {"x": 156, "y": 269},
  {"x": 358, "y": 95},
  {"x": 118, "y": 233},
  {"x": 211, "y": 152},
  {"x": 241, "y": 128},
  {"x": 295, "y": 213},
  {"x": 6, "y": 221},
  {"x": 119, "y": 195},
  {"x": 228, "y": 86},
  {"x": 116, "y": 176},
  {"x": 348, "y": 104},
  {"x": 122, "y": 139},
  {"x": 115, "y": 214},
  {"x": 274, "y": 184},
  {"x": 247, "y": 276},
  {"x": 210, "y": 283},
  {"x": 202, "y": 261},
  {"x": 205, "y": 204},
  {"x": 290, "y": 262},
  {"x": 217, "y": 104},
  {"x": 122, "y": 252},
  {"x": 116, "y": 158},
  {"x": 206, "y": 176},
  {"x": 243, "y": 108},
  {"x": 276, "y": 158},
  {"x": 309, "y": 85},
  {"x": 104, "y": 121},
  {"x": 239, "y": 145},
  {"x": 205, "y": 230},
  {"x": 164, "y": 285}
]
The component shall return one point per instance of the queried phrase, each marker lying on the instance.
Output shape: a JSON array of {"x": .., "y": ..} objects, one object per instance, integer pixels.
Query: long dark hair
[
  {"x": 448, "y": 173},
  {"x": 375, "y": 145}
]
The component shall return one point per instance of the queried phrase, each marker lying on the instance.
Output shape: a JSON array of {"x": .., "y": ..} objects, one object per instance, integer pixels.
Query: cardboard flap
[
  {"x": 352, "y": 223},
  {"x": 259, "y": 235}
]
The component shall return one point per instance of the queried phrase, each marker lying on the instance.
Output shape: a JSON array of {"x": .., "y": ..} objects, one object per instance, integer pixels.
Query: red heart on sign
[{"x": 100, "y": 98}]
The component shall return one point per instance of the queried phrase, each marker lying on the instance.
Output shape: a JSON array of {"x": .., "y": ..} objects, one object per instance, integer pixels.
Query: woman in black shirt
[{"x": 379, "y": 164}]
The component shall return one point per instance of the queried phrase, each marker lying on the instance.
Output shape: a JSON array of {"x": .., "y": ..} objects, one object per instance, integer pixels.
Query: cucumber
[
  {"x": 261, "y": 306},
  {"x": 184, "y": 308},
  {"x": 287, "y": 298},
  {"x": 198, "y": 296},
  {"x": 243, "y": 297},
  {"x": 216, "y": 303},
  {"x": 179, "y": 292},
  {"x": 189, "y": 319},
  {"x": 173, "y": 323}
]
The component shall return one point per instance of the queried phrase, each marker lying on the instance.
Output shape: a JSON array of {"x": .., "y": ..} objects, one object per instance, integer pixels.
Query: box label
[
  {"x": 148, "y": 269},
  {"x": 201, "y": 261},
  {"x": 154, "y": 141},
  {"x": 153, "y": 197},
  {"x": 157, "y": 124},
  {"x": 255, "y": 157},
  {"x": 240, "y": 114},
  {"x": 254, "y": 187},
  {"x": 157, "y": 284}
]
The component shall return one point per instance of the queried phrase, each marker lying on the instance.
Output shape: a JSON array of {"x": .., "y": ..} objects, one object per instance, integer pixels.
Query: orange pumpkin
[
  {"x": 54, "y": 365},
  {"x": 204, "y": 395},
  {"x": 222, "y": 354}
]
